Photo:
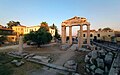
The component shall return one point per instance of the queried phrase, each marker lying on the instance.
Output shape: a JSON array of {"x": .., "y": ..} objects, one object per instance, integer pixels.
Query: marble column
[
  {"x": 78, "y": 38},
  {"x": 20, "y": 44},
  {"x": 88, "y": 34},
  {"x": 63, "y": 30},
  {"x": 70, "y": 35},
  {"x": 64, "y": 34},
  {"x": 81, "y": 37}
]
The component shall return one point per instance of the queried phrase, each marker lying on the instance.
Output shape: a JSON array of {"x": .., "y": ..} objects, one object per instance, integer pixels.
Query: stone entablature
[{"x": 75, "y": 21}]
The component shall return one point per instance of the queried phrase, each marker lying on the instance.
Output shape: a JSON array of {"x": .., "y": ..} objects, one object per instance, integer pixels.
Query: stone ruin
[
  {"x": 38, "y": 58},
  {"x": 17, "y": 63},
  {"x": 71, "y": 64},
  {"x": 64, "y": 47},
  {"x": 98, "y": 62}
]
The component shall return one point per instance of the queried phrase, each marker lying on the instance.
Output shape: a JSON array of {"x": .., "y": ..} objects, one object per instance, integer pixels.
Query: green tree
[
  {"x": 42, "y": 36},
  {"x": 45, "y": 24},
  {"x": 106, "y": 29},
  {"x": 13, "y": 23},
  {"x": 56, "y": 31},
  {"x": 99, "y": 29},
  {"x": 3, "y": 38},
  {"x": 53, "y": 26}
]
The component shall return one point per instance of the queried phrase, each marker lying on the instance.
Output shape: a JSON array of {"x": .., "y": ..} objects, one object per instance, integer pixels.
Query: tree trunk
[{"x": 38, "y": 45}]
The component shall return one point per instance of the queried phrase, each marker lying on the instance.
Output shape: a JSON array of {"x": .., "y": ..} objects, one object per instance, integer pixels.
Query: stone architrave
[{"x": 20, "y": 44}]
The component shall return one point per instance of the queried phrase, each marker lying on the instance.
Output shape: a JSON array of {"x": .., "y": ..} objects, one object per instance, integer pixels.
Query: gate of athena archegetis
[{"x": 75, "y": 21}]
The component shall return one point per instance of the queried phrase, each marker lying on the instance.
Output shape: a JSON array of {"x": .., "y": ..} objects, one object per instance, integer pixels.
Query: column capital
[
  {"x": 63, "y": 25},
  {"x": 88, "y": 24},
  {"x": 70, "y": 26}
]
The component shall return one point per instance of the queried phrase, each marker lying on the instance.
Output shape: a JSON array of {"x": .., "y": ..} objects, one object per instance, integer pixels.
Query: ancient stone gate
[{"x": 75, "y": 21}]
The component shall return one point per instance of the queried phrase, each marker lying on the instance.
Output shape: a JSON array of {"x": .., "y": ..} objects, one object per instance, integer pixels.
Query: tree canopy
[
  {"x": 3, "y": 38},
  {"x": 106, "y": 29},
  {"x": 13, "y": 23},
  {"x": 42, "y": 36},
  {"x": 53, "y": 26},
  {"x": 44, "y": 24}
]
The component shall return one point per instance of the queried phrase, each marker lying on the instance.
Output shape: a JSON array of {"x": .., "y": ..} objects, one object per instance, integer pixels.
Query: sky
[{"x": 100, "y": 13}]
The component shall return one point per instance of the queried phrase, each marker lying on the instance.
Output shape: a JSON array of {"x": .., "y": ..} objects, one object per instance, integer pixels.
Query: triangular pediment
[{"x": 75, "y": 21}]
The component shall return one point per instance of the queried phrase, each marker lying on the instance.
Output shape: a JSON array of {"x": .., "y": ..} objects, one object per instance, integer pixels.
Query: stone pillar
[
  {"x": 65, "y": 34},
  {"x": 20, "y": 44},
  {"x": 88, "y": 34},
  {"x": 62, "y": 34},
  {"x": 70, "y": 35},
  {"x": 78, "y": 38},
  {"x": 63, "y": 30},
  {"x": 80, "y": 42}
]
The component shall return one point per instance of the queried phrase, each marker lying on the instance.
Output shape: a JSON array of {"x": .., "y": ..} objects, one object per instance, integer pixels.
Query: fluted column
[
  {"x": 64, "y": 34},
  {"x": 70, "y": 35},
  {"x": 78, "y": 38},
  {"x": 81, "y": 37},
  {"x": 88, "y": 34},
  {"x": 20, "y": 44},
  {"x": 63, "y": 30}
]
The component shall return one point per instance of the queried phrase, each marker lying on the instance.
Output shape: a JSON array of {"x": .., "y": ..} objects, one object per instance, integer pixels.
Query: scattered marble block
[
  {"x": 99, "y": 71},
  {"x": 63, "y": 47},
  {"x": 82, "y": 49},
  {"x": 87, "y": 59},
  {"x": 17, "y": 63},
  {"x": 94, "y": 54},
  {"x": 14, "y": 61},
  {"x": 108, "y": 58},
  {"x": 71, "y": 64},
  {"x": 29, "y": 55},
  {"x": 76, "y": 74},
  {"x": 92, "y": 67},
  {"x": 41, "y": 58},
  {"x": 18, "y": 54},
  {"x": 100, "y": 62}
]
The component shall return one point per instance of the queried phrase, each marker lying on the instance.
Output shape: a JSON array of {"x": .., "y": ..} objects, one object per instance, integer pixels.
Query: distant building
[
  {"x": 52, "y": 31},
  {"x": 109, "y": 35},
  {"x": 5, "y": 31},
  {"x": 29, "y": 29},
  {"x": 25, "y": 30},
  {"x": 19, "y": 29},
  {"x": 11, "y": 37}
]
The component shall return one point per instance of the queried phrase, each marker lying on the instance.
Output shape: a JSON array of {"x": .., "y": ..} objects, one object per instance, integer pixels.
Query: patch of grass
[
  {"x": 24, "y": 69},
  {"x": 5, "y": 70},
  {"x": 4, "y": 58},
  {"x": 60, "y": 74}
]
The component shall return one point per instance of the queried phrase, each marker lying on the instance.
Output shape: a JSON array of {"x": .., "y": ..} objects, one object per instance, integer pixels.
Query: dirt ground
[{"x": 55, "y": 53}]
